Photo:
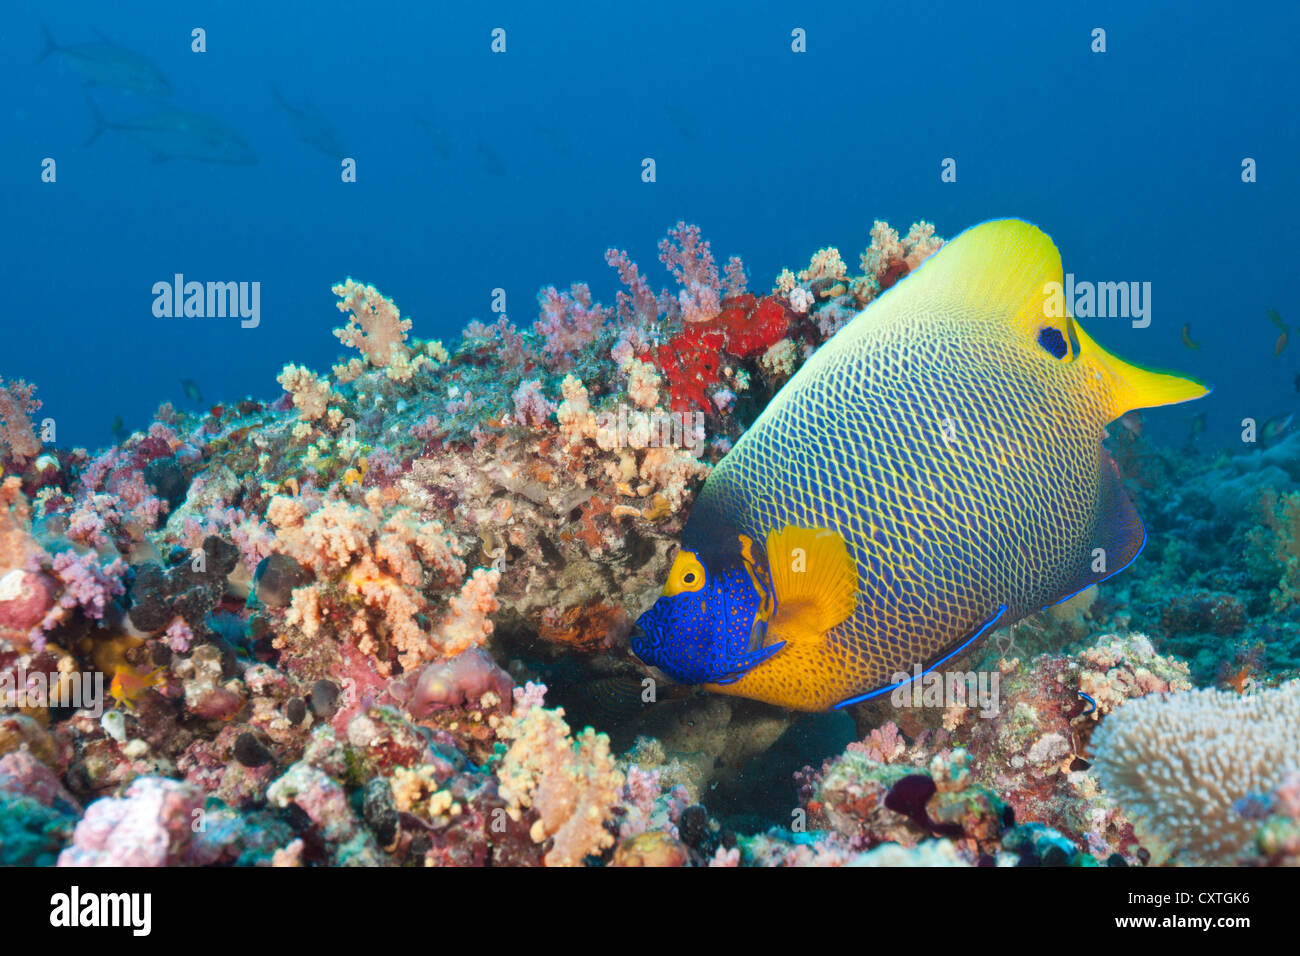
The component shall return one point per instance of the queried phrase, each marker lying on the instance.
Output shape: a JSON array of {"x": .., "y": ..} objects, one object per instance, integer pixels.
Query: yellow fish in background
[
  {"x": 931, "y": 473},
  {"x": 130, "y": 683}
]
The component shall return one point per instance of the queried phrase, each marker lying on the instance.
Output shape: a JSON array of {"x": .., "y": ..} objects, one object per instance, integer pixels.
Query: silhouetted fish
[
  {"x": 108, "y": 64},
  {"x": 682, "y": 118},
  {"x": 556, "y": 138},
  {"x": 1276, "y": 428},
  {"x": 192, "y": 390},
  {"x": 489, "y": 160},
  {"x": 312, "y": 127},
  {"x": 176, "y": 134},
  {"x": 441, "y": 140}
]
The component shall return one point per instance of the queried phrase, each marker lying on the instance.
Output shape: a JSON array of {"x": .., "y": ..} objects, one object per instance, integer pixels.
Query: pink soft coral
[
  {"x": 690, "y": 260},
  {"x": 569, "y": 322},
  {"x": 86, "y": 583},
  {"x": 17, "y": 437}
]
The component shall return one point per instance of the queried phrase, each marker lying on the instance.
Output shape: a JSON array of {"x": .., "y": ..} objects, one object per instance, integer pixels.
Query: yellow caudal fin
[
  {"x": 1004, "y": 271},
  {"x": 1131, "y": 386},
  {"x": 815, "y": 581}
]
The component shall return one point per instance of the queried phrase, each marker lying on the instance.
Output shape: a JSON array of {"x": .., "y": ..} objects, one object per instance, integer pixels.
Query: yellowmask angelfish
[{"x": 931, "y": 473}]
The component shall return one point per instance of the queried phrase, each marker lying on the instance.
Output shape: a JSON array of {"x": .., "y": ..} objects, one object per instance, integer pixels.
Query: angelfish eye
[
  {"x": 1053, "y": 342},
  {"x": 689, "y": 578}
]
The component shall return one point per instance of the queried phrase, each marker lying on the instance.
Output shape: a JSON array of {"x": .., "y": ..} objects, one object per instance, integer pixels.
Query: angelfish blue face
[{"x": 704, "y": 628}]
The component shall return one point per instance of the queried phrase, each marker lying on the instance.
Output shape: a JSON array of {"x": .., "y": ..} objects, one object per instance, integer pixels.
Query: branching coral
[
  {"x": 831, "y": 296},
  {"x": 569, "y": 322},
  {"x": 888, "y": 258},
  {"x": 468, "y": 623},
  {"x": 385, "y": 562},
  {"x": 531, "y": 406},
  {"x": 18, "y": 548},
  {"x": 1183, "y": 763},
  {"x": 690, "y": 261},
  {"x": 1116, "y": 669},
  {"x": 571, "y": 785},
  {"x": 311, "y": 394},
  {"x": 376, "y": 329},
  {"x": 17, "y": 437},
  {"x": 642, "y": 383}
]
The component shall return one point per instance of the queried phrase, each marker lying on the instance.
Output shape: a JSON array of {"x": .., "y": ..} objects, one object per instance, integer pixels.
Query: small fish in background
[
  {"x": 104, "y": 63},
  {"x": 312, "y": 127},
  {"x": 1132, "y": 423},
  {"x": 441, "y": 140},
  {"x": 556, "y": 138},
  {"x": 683, "y": 120},
  {"x": 1276, "y": 428},
  {"x": 119, "y": 429},
  {"x": 1187, "y": 338},
  {"x": 175, "y": 134},
  {"x": 192, "y": 391},
  {"x": 1296, "y": 382},
  {"x": 131, "y": 683},
  {"x": 489, "y": 160},
  {"x": 1283, "y": 337},
  {"x": 1197, "y": 428}
]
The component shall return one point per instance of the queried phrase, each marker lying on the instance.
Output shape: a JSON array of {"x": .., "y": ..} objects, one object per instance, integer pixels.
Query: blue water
[{"x": 1131, "y": 159}]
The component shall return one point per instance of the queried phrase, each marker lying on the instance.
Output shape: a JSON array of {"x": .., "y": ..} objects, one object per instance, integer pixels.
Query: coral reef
[{"x": 382, "y": 618}]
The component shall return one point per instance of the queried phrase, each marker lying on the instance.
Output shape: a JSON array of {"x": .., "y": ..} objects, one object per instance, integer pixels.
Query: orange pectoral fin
[{"x": 814, "y": 577}]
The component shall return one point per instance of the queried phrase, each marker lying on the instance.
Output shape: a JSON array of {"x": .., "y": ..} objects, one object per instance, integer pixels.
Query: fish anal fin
[
  {"x": 947, "y": 655},
  {"x": 814, "y": 580}
]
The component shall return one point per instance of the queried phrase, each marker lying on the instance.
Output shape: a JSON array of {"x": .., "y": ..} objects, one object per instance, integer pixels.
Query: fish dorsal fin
[
  {"x": 999, "y": 271},
  {"x": 814, "y": 579},
  {"x": 1131, "y": 386}
]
